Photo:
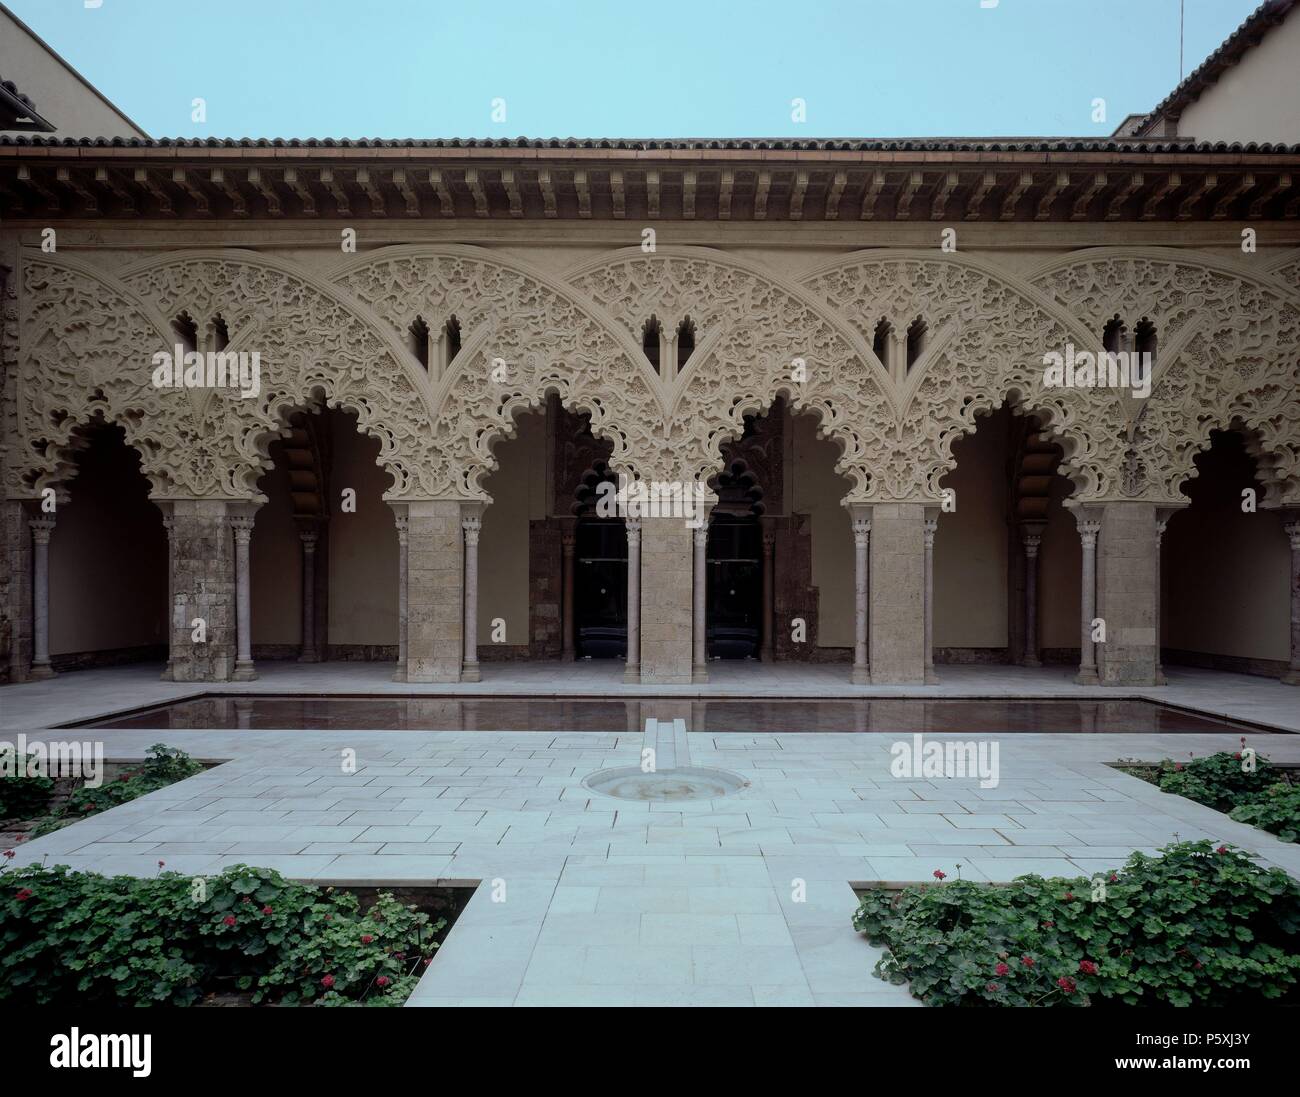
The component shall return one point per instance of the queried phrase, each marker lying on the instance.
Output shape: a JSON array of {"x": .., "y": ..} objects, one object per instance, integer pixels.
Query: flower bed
[
  {"x": 1196, "y": 924},
  {"x": 38, "y": 805},
  {"x": 247, "y": 935},
  {"x": 1244, "y": 785}
]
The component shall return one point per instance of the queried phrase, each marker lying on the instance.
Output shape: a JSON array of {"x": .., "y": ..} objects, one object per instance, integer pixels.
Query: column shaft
[
  {"x": 567, "y": 651},
  {"x": 1292, "y": 676},
  {"x": 896, "y": 591},
  {"x": 632, "y": 672},
  {"x": 309, "y": 653},
  {"x": 861, "y": 584},
  {"x": 470, "y": 670},
  {"x": 41, "y": 530},
  {"x": 1088, "y": 530},
  {"x": 243, "y": 532},
  {"x": 1031, "y": 543},
  {"x": 767, "y": 649},
  {"x": 931, "y": 526},
  {"x": 435, "y": 614},
  {"x": 399, "y": 675},
  {"x": 699, "y": 628}
]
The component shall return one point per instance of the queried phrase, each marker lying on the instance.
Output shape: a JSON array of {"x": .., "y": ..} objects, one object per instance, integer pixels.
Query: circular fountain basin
[{"x": 685, "y": 783}]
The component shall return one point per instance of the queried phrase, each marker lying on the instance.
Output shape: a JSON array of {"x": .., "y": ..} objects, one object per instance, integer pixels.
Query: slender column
[
  {"x": 244, "y": 671},
  {"x": 699, "y": 624},
  {"x": 1292, "y": 676},
  {"x": 309, "y": 653},
  {"x": 399, "y": 675},
  {"x": 766, "y": 650},
  {"x": 41, "y": 529},
  {"x": 567, "y": 542},
  {"x": 931, "y": 525},
  {"x": 169, "y": 527},
  {"x": 1031, "y": 539},
  {"x": 861, "y": 580},
  {"x": 632, "y": 672},
  {"x": 1162, "y": 522},
  {"x": 469, "y": 671},
  {"x": 1088, "y": 530}
]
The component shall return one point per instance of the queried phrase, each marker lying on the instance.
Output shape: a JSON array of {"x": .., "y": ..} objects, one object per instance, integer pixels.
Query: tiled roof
[
  {"x": 1263, "y": 19},
  {"x": 892, "y": 144},
  {"x": 14, "y": 103}
]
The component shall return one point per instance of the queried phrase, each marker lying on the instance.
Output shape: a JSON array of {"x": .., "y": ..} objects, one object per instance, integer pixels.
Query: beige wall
[
  {"x": 60, "y": 96},
  {"x": 1257, "y": 99},
  {"x": 108, "y": 557},
  {"x": 970, "y": 544},
  {"x": 816, "y": 492}
]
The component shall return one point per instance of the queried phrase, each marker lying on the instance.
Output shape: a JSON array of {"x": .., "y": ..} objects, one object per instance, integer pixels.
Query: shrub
[
  {"x": 71, "y": 936},
  {"x": 1276, "y": 809},
  {"x": 23, "y": 797},
  {"x": 163, "y": 766},
  {"x": 1194, "y": 925}
]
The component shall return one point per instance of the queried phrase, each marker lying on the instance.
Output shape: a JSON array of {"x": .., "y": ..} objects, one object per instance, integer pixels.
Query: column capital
[
  {"x": 41, "y": 529},
  {"x": 700, "y": 535},
  {"x": 861, "y": 531},
  {"x": 567, "y": 541},
  {"x": 1031, "y": 541},
  {"x": 471, "y": 528},
  {"x": 403, "y": 525},
  {"x": 243, "y": 528},
  {"x": 309, "y": 538},
  {"x": 931, "y": 526},
  {"x": 633, "y": 527},
  {"x": 1292, "y": 530}
]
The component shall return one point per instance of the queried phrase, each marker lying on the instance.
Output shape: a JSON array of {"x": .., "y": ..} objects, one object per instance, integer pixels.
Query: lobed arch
[{"x": 531, "y": 335}]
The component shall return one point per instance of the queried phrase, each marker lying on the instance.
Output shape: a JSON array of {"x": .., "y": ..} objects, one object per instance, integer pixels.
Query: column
[
  {"x": 469, "y": 671},
  {"x": 1030, "y": 538},
  {"x": 243, "y": 531},
  {"x": 667, "y": 610},
  {"x": 861, "y": 550},
  {"x": 567, "y": 652},
  {"x": 309, "y": 654},
  {"x": 896, "y": 590},
  {"x": 399, "y": 675},
  {"x": 1292, "y": 676},
  {"x": 435, "y": 614},
  {"x": 632, "y": 672},
  {"x": 169, "y": 673},
  {"x": 699, "y": 585},
  {"x": 1162, "y": 523},
  {"x": 1088, "y": 530},
  {"x": 41, "y": 529},
  {"x": 1128, "y": 577},
  {"x": 766, "y": 650},
  {"x": 931, "y": 525},
  {"x": 202, "y": 572}
]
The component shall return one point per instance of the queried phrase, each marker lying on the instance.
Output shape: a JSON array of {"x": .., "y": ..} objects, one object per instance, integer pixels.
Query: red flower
[
  {"x": 366, "y": 939},
  {"x": 267, "y": 910},
  {"x": 1178, "y": 767},
  {"x": 1222, "y": 849},
  {"x": 1066, "y": 984},
  {"x": 23, "y": 895},
  {"x": 1001, "y": 969},
  {"x": 939, "y": 874},
  {"x": 327, "y": 982},
  {"x": 1237, "y": 756},
  {"x": 1049, "y": 925},
  {"x": 245, "y": 899},
  {"x": 1028, "y": 961},
  {"x": 10, "y": 855},
  {"x": 162, "y": 864},
  {"x": 1069, "y": 897},
  {"x": 428, "y": 960},
  {"x": 1199, "y": 965},
  {"x": 990, "y": 987},
  {"x": 382, "y": 981},
  {"x": 229, "y": 919},
  {"x": 1087, "y": 967},
  {"x": 1114, "y": 879}
]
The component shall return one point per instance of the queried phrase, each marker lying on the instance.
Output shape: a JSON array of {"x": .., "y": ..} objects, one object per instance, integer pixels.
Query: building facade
[{"x": 850, "y": 347}]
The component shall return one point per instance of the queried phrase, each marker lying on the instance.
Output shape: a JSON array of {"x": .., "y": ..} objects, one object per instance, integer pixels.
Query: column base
[
  {"x": 632, "y": 674},
  {"x": 399, "y": 675},
  {"x": 40, "y": 671},
  {"x": 469, "y": 672},
  {"x": 1031, "y": 663},
  {"x": 309, "y": 657},
  {"x": 861, "y": 676},
  {"x": 244, "y": 672},
  {"x": 1161, "y": 680},
  {"x": 1291, "y": 677},
  {"x": 1087, "y": 678},
  {"x": 931, "y": 679},
  {"x": 168, "y": 674},
  {"x": 699, "y": 674}
]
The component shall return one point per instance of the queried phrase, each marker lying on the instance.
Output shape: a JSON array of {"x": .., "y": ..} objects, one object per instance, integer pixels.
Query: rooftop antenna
[{"x": 1182, "y": 10}]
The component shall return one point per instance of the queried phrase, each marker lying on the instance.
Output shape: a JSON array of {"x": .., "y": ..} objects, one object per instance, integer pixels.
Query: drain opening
[{"x": 682, "y": 783}]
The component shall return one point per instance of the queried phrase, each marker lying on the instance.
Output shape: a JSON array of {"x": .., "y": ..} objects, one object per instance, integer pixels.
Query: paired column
[
  {"x": 242, "y": 527},
  {"x": 699, "y": 585},
  {"x": 41, "y": 529},
  {"x": 567, "y": 651},
  {"x": 931, "y": 526},
  {"x": 309, "y": 653},
  {"x": 435, "y": 581},
  {"x": 1292, "y": 676},
  {"x": 632, "y": 672},
  {"x": 1128, "y": 578},
  {"x": 1089, "y": 528},
  {"x": 897, "y": 592},
  {"x": 399, "y": 675},
  {"x": 666, "y": 601},
  {"x": 469, "y": 671},
  {"x": 767, "y": 648},
  {"x": 1031, "y": 537},
  {"x": 202, "y": 626},
  {"x": 861, "y": 584}
]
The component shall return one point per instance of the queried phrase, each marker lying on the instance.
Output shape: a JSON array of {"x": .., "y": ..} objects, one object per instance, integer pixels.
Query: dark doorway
[
  {"x": 600, "y": 589},
  {"x": 735, "y": 587}
]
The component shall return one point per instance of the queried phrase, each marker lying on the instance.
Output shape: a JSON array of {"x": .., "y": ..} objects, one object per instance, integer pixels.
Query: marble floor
[{"x": 586, "y": 899}]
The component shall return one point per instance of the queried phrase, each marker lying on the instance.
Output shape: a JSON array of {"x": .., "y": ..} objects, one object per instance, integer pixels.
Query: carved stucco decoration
[
  {"x": 751, "y": 326},
  {"x": 987, "y": 336},
  {"x": 1228, "y": 357},
  {"x": 543, "y": 337}
]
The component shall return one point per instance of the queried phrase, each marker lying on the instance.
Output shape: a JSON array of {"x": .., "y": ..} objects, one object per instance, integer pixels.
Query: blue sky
[{"x": 587, "y": 68}]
